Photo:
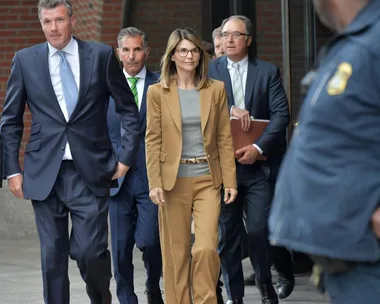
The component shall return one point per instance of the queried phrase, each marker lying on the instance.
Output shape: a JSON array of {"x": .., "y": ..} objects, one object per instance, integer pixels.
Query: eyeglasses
[
  {"x": 185, "y": 52},
  {"x": 234, "y": 34}
]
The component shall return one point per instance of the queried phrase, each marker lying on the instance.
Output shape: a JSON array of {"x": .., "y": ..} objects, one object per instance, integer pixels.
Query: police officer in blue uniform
[{"x": 327, "y": 200}]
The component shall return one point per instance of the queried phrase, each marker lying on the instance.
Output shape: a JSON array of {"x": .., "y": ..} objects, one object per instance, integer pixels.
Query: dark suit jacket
[
  {"x": 86, "y": 131},
  {"x": 265, "y": 98},
  {"x": 115, "y": 133}
]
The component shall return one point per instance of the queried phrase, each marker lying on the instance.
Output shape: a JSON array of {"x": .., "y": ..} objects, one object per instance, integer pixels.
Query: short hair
[
  {"x": 49, "y": 4},
  {"x": 168, "y": 67},
  {"x": 247, "y": 22},
  {"x": 208, "y": 47},
  {"x": 132, "y": 32},
  {"x": 217, "y": 33}
]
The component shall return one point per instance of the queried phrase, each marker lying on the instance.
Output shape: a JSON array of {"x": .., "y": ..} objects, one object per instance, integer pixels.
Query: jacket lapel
[
  {"x": 250, "y": 83},
  {"x": 148, "y": 81},
  {"x": 41, "y": 62},
  {"x": 86, "y": 60},
  {"x": 205, "y": 100},
  {"x": 225, "y": 77},
  {"x": 172, "y": 99}
]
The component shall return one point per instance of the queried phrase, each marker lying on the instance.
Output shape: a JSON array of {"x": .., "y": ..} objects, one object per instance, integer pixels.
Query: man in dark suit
[
  {"x": 254, "y": 89},
  {"x": 69, "y": 162},
  {"x": 133, "y": 216}
]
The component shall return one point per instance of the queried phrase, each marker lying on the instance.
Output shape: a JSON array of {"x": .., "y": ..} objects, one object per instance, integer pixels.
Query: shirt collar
[
  {"x": 70, "y": 48},
  {"x": 140, "y": 75},
  {"x": 243, "y": 64}
]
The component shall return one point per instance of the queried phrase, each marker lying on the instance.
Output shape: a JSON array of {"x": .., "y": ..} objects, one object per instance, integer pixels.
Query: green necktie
[{"x": 133, "y": 81}]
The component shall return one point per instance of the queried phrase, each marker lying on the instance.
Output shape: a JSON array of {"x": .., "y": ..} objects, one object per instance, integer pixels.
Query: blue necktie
[{"x": 69, "y": 86}]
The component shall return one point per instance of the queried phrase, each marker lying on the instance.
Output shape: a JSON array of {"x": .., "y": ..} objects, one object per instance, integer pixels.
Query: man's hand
[
  {"x": 156, "y": 194},
  {"x": 376, "y": 222},
  {"x": 244, "y": 117},
  {"x": 247, "y": 155},
  {"x": 15, "y": 185},
  {"x": 229, "y": 195},
  {"x": 121, "y": 170}
]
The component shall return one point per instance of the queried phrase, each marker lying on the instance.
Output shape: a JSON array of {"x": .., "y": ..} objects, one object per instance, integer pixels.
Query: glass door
[{"x": 302, "y": 37}]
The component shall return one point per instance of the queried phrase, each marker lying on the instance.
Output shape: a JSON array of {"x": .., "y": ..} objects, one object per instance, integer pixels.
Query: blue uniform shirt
[{"x": 329, "y": 183}]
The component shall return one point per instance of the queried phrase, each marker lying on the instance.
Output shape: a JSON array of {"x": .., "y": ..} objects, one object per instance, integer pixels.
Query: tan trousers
[{"x": 190, "y": 271}]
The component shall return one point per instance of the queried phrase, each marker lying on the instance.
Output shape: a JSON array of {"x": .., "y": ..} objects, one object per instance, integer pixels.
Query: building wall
[
  {"x": 268, "y": 31},
  {"x": 101, "y": 20},
  {"x": 159, "y": 18},
  {"x": 19, "y": 28}
]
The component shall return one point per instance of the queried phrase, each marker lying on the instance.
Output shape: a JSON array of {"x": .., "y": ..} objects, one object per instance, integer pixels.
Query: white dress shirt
[
  {"x": 139, "y": 84},
  {"x": 243, "y": 68},
  {"x": 72, "y": 56}
]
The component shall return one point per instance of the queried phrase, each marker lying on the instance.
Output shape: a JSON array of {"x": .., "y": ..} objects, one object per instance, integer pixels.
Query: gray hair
[
  {"x": 50, "y": 4},
  {"x": 217, "y": 33},
  {"x": 244, "y": 19},
  {"x": 132, "y": 32}
]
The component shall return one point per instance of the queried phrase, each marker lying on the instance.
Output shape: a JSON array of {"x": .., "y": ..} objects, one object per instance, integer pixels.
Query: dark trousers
[
  {"x": 254, "y": 195},
  {"x": 281, "y": 257},
  {"x": 282, "y": 261},
  {"x": 87, "y": 243},
  {"x": 134, "y": 220}
]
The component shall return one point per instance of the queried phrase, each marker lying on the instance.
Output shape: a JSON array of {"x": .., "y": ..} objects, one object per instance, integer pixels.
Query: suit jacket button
[
  {"x": 204, "y": 138},
  {"x": 208, "y": 156},
  {"x": 63, "y": 148}
]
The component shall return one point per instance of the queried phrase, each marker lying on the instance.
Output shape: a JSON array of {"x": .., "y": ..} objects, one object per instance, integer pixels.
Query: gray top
[{"x": 192, "y": 139}]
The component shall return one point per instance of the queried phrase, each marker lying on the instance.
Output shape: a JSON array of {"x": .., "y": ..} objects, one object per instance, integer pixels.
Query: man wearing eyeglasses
[{"x": 254, "y": 89}]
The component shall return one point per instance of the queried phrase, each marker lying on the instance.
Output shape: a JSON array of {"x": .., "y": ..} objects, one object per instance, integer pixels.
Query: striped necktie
[
  {"x": 237, "y": 87},
  {"x": 133, "y": 81}
]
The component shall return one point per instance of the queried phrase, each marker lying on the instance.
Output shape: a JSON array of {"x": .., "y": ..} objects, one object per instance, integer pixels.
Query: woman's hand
[
  {"x": 156, "y": 194},
  {"x": 229, "y": 195}
]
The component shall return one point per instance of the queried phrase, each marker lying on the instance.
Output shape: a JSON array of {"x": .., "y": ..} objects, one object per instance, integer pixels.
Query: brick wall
[
  {"x": 19, "y": 28},
  {"x": 88, "y": 18},
  {"x": 159, "y": 18},
  {"x": 268, "y": 31}
]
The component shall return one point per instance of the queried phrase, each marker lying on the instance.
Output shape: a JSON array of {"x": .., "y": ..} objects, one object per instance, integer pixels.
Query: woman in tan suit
[{"x": 189, "y": 157}]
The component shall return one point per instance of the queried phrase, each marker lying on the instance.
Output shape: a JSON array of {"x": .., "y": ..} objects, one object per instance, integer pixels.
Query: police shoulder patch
[{"x": 338, "y": 82}]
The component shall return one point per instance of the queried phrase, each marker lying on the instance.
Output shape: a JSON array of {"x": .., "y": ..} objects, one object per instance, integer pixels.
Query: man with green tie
[{"x": 133, "y": 216}]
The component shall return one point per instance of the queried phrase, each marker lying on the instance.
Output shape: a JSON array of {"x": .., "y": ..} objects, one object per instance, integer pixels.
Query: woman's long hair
[{"x": 168, "y": 67}]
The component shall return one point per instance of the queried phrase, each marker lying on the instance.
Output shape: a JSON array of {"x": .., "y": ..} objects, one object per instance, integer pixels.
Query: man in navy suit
[
  {"x": 69, "y": 162},
  {"x": 133, "y": 216},
  {"x": 254, "y": 88}
]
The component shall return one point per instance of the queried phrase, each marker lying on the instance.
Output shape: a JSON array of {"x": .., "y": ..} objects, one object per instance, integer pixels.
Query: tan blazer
[{"x": 164, "y": 135}]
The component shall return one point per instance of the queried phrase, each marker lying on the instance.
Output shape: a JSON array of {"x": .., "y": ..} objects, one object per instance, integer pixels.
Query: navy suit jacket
[
  {"x": 115, "y": 133},
  {"x": 265, "y": 98},
  {"x": 86, "y": 131}
]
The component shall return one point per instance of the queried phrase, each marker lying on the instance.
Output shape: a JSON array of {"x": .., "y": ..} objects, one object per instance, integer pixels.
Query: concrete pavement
[{"x": 21, "y": 283}]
